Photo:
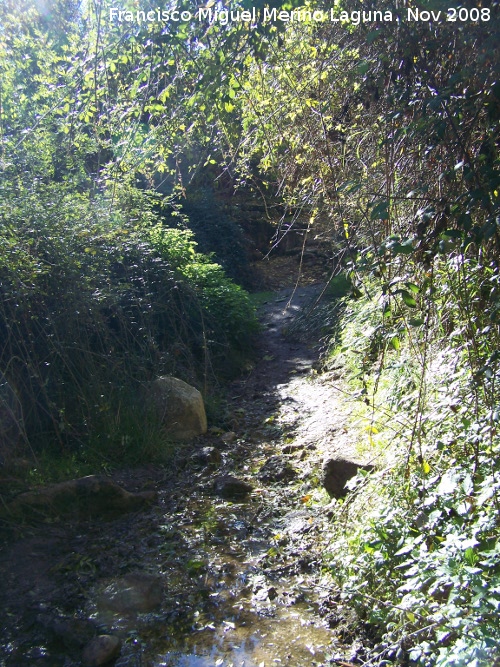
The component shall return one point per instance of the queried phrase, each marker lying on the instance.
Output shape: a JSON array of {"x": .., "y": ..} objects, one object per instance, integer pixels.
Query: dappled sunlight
[{"x": 194, "y": 474}]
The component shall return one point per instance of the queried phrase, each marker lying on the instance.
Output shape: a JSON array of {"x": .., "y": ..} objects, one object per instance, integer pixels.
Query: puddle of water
[
  {"x": 233, "y": 613},
  {"x": 249, "y": 640}
]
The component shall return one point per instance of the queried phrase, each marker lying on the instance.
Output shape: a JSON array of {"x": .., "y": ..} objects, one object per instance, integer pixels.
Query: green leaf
[
  {"x": 407, "y": 298},
  {"x": 470, "y": 556},
  {"x": 162, "y": 97},
  {"x": 395, "y": 342},
  {"x": 364, "y": 67},
  {"x": 405, "y": 248},
  {"x": 372, "y": 36},
  {"x": 380, "y": 211},
  {"x": 452, "y": 234}
]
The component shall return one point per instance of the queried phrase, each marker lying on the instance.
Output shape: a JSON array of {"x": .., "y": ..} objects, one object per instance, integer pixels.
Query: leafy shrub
[
  {"x": 215, "y": 232},
  {"x": 222, "y": 309},
  {"x": 93, "y": 304},
  {"x": 416, "y": 550}
]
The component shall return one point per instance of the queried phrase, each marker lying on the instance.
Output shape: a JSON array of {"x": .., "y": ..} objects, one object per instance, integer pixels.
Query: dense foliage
[
  {"x": 102, "y": 288},
  {"x": 391, "y": 151},
  {"x": 96, "y": 301},
  {"x": 416, "y": 548},
  {"x": 383, "y": 139},
  {"x": 380, "y": 139}
]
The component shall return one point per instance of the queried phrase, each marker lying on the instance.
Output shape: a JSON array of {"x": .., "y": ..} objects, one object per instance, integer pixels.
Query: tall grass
[{"x": 97, "y": 298}]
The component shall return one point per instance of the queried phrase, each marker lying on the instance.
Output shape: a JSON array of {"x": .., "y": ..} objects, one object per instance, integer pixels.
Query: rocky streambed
[{"x": 222, "y": 566}]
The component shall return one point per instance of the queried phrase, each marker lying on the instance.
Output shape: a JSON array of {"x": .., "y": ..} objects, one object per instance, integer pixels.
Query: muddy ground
[{"x": 198, "y": 579}]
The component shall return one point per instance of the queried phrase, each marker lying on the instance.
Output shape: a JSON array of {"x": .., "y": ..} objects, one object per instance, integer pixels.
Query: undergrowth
[
  {"x": 416, "y": 547},
  {"x": 98, "y": 299}
]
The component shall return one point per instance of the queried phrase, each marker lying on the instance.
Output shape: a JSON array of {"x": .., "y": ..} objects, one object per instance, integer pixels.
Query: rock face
[
  {"x": 101, "y": 650},
  {"x": 276, "y": 469},
  {"x": 231, "y": 488},
  {"x": 83, "y": 498},
  {"x": 179, "y": 406},
  {"x": 336, "y": 473}
]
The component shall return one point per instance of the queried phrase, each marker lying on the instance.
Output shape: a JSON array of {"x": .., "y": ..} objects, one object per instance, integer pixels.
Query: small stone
[
  {"x": 137, "y": 592},
  {"x": 292, "y": 448},
  {"x": 230, "y": 487},
  {"x": 207, "y": 456},
  {"x": 272, "y": 593},
  {"x": 276, "y": 469},
  {"x": 101, "y": 650},
  {"x": 337, "y": 472},
  {"x": 261, "y": 595}
]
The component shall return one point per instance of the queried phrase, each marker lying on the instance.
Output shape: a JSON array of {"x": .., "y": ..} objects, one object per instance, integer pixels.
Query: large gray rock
[
  {"x": 337, "y": 472},
  {"x": 83, "y": 498},
  {"x": 179, "y": 406}
]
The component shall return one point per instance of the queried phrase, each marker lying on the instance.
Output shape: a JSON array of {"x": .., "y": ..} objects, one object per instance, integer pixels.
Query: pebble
[
  {"x": 231, "y": 487},
  {"x": 100, "y": 650}
]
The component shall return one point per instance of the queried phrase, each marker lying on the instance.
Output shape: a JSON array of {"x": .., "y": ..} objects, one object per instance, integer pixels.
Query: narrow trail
[{"x": 199, "y": 580}]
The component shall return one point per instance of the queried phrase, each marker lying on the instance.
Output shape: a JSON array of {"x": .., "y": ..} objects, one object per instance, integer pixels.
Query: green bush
[
  {"x": 216, "y": 233},
  {"x": 416, "y": 550},
  {"x": 95, "y": 300},
  {"x": 221, "y": 310}
]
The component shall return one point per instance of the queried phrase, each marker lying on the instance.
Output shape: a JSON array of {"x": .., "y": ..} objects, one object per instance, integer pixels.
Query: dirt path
[{"x": 215, "y": 581}]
